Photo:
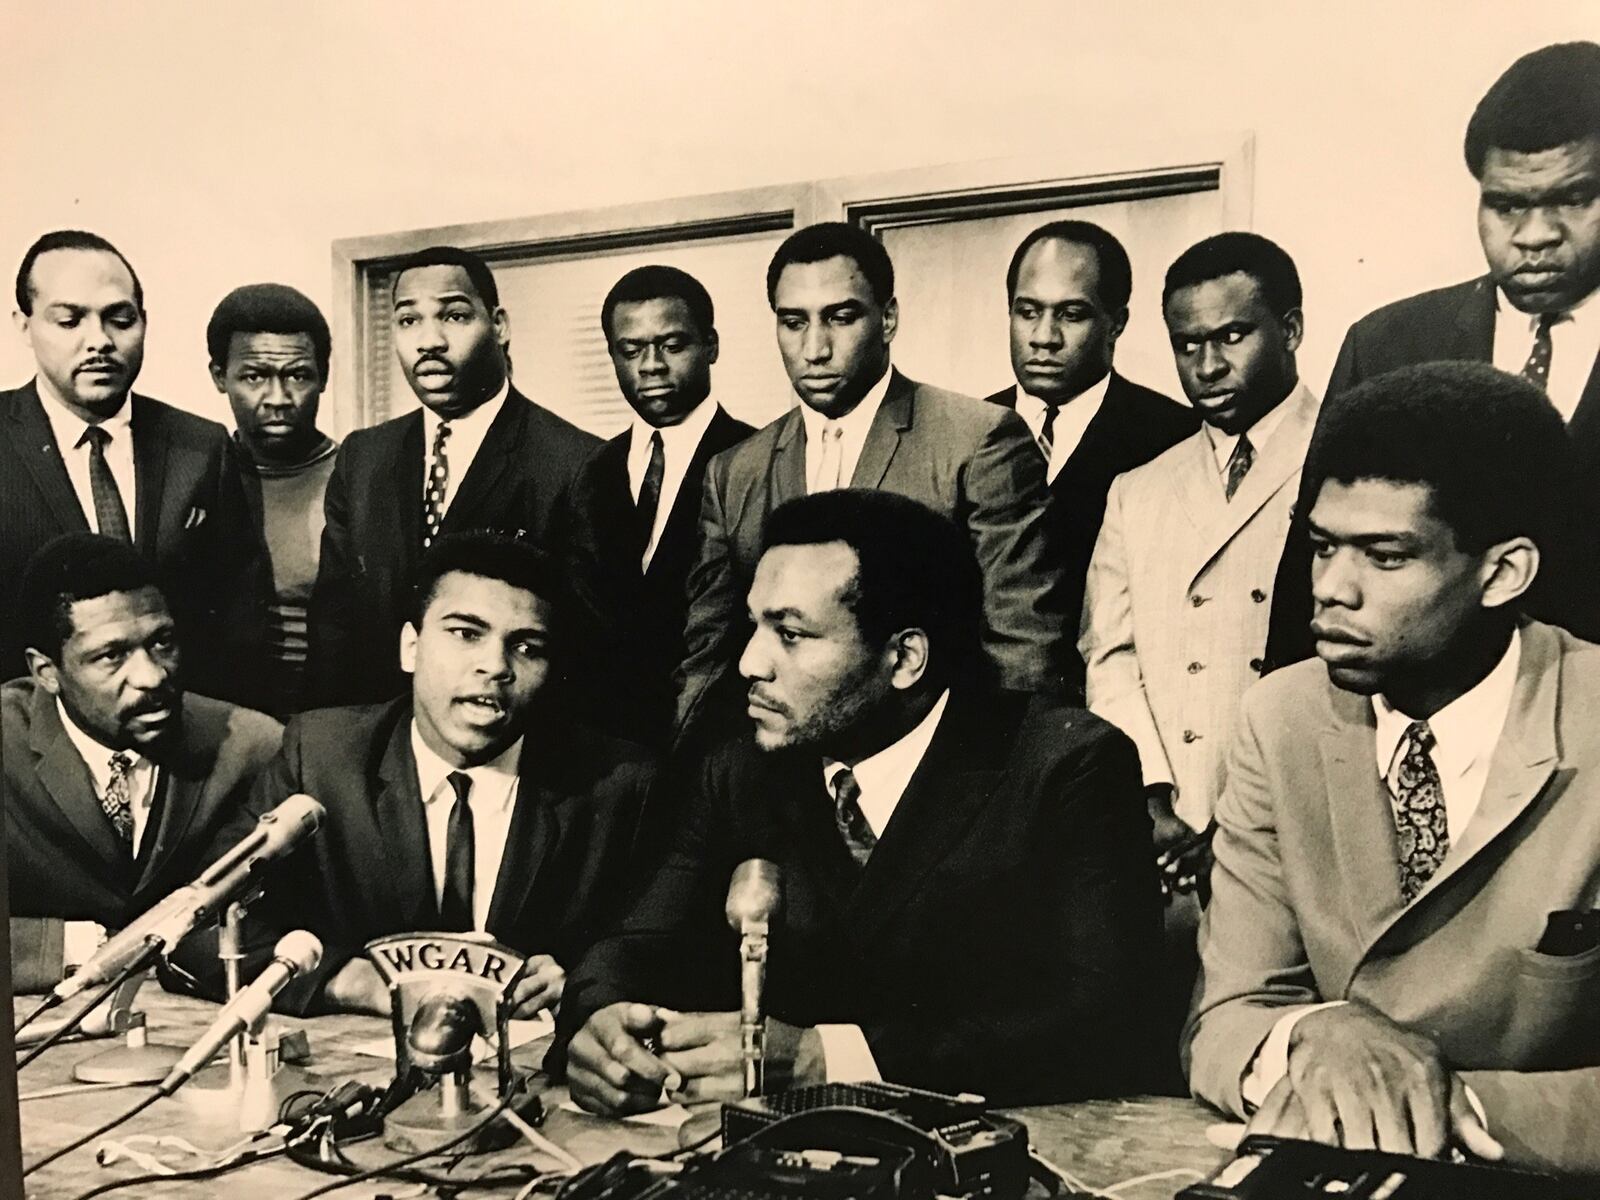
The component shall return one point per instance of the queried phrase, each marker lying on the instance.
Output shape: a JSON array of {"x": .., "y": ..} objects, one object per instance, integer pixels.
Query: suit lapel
[
  {"x": 1361, "y": 816},
  {"x": 150, "y": 450},
  {"x": 786, "y": 474},
  {"x": 501, "y": 443},
  {"x": 402, "y": 462},
  {"x": 184, "y": 784},
  {"x": 63, "y": 773},
  {"x": 894, "y": 417},
  {"x": 528, "y": 841},
  {"x": 41, "y": 456},
  {"x": 403, "y": 829},
  {"x": 1198, "y": 489},
  {"x": 1473, "y": 334}
]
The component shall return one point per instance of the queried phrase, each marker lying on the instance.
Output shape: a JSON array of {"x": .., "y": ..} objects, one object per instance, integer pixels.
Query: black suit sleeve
[{"x": 332, "y": 631}]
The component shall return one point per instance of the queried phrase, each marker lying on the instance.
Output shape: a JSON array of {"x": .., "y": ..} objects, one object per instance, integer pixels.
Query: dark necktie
[
  {"x": 110, "y": 516},
  {"x": 1239, "y": 464},
  {"x": 1537, "y": 369},
  {"x": 117, "y": 803},
  {"x": 438, "y": 486},
  {"x": 650, "y": 488},
  {"x": 1047, "y": 431},
  {"x": 455, "y": 909},
  {"x": 1420, "y": 819},
  {"x": 858, "y": 836}
]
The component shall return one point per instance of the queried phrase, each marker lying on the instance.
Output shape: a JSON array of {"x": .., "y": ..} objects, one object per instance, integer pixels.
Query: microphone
[
  {"x": 755, "y": 895},
  {"x": 161, "y": 927},
  {"x": 295, "y": 954}
]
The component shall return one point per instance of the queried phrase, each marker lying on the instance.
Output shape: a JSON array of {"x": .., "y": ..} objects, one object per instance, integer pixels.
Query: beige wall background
[{"x": 228, "y": 142}]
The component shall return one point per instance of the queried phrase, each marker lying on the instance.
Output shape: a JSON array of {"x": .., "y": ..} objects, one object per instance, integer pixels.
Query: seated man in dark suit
[
  {"x": 479, "y": 455},
  {"x": 968, "y": 899},
  {"x": 116, "y": 782},
  {"x": 1068, "y": 287},
  {"x": 470, "y": 804},
  {"x": 641, "y": 493},
  {"x": 1403, "y": 944},
  {"x": 860, "y": 423},
  {"x": 1533, "y": 145},
  {"x": 80, "y": 452}
]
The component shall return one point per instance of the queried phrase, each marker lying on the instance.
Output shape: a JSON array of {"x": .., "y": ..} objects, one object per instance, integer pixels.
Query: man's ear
[
  {"x": 20, "y": 320},
  {"x": 43, "y": 670},
  {"x": 911, "y": 649},
  {"x": 408, "y": 648},
  {"x": 1508, "y": 571},
  {"x": 891, "y": 319},
  {"x": 1294, "y": 328},
  {"x": 1119, "y": 323},
  {"x": 713, "y": 346},
  {"x": 218, "y": 374}
]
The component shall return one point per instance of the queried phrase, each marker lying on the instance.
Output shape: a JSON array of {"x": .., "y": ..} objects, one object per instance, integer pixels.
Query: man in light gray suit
[{"x": 862, "y": 424}]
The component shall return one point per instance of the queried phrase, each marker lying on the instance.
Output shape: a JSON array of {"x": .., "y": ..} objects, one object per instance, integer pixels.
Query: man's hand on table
[
  {"x": 1356, "y": 1079},
  {"x": 609, "y": 1068},
  {"x": 356, "y": 987},
  {"x": 539, "y": 988}
]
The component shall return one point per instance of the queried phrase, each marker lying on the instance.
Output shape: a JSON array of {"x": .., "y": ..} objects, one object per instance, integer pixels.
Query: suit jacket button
[
  {"x": 1190, "y": 735},
  {"x": 1256, "y": 664},
  {"x": 1195, "y": 668},
  {"x": 1258, "y": 595}
]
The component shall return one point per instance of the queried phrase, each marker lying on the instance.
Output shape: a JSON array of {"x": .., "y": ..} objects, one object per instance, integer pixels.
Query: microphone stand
[{"x": 752, "y": 1025}]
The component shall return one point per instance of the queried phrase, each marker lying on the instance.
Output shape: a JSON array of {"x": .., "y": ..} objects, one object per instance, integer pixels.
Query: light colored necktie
[
  {"x": 1421, "y": 823},
  {"x": 438, "y": 486},
  {"x": 117, "y": 803},
  {"x": 830, "y": 467}
]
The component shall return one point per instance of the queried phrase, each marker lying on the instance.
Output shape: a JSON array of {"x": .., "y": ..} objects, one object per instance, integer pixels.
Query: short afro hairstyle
[
  {"x": 656, "y": 282},
  {"x": 915, "y": 569},
  {"x": 490, "y": 554},
  {"x": 453, "y": 256},
  {"x": 1545, "y": 99},
  {"x": 1116, "y": 273},
  {"x": 70, "y": 568},
  {"x": 267, "y": 308},
  {"x": 67, "y": 239},
  {"x": 1237, "y": 253},
  {"x": 1490, "y": 447},
  {"x": 835, "y": 239}
]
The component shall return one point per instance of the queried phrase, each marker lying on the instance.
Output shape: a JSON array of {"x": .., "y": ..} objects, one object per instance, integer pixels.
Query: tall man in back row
[
  {"x": 968, "y": 903},
  {"x": 860, "y": 423},
  {"x": 1402, "y": 948}
]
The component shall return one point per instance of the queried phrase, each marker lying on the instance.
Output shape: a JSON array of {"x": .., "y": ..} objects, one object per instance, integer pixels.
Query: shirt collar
[
  {"x": 68, "y": 426},
  {"x": 491, "y": 781},
  {"x": 1582, "y": 313},
  {"x": 854, "y": 423},
  {"x": 676, "y": 440},
  {"x": 884, "y": 776},
  {"x": 477, "y": 421},
  {"x": 1463, "y": 730},
  {"x": 1222, "y": 444},
  {"x": 96, "y": 755},
  {"x": 1091, "y": 397}
]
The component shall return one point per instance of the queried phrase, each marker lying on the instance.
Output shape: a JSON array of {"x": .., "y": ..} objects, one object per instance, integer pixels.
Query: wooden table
[{"x": 1100, "y": 1142}]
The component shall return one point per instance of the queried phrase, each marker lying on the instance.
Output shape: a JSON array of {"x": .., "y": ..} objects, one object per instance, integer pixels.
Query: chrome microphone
[
  {"x": 159, "y": 929},
  {"x": 295, "y": 954},
  {"x": 755, "y": 896}
]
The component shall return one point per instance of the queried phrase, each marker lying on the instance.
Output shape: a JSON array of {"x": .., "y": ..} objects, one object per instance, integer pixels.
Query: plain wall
[{"x": 226, "y": 143}]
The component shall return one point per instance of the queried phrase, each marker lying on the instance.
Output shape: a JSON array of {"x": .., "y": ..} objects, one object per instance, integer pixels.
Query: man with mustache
[
  {"x": 117, "y": 783},
  {"x": 80, "y": 452},
  {"x": 473, "y": 803},
  {"x": 1533, "y": 145},
  {"x": 860, "y": 423},
  {"x": 1402, "y": 949},
  {"x": 479, "y": 455},
  {"x": 967, "y": 899}
]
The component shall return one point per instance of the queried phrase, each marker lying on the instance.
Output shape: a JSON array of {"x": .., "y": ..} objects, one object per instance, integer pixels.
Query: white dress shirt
[
  {"x": 1071, "y": 421},
  {"x": 1465, "y": 733},
  {"x": 1222, "y": 444},
  {"x": 68, "y": 427},
  {"x": 461, "y": 447},
  {"x": 492, "y": 800},
  {"x": 883, "y": 778},
  {"x": 1574, "y": 346},
  {"x": 853, "y": 426},
  {"x": 678, "y": 445}
]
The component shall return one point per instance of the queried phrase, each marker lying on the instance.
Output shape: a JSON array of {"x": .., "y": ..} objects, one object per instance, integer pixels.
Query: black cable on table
[
  {"x": 121, "y": 978},
  {"x": 49, "y": 1002},
  {"x": 198, "y": 1173},
  {"x": 138, "y": 1108}
]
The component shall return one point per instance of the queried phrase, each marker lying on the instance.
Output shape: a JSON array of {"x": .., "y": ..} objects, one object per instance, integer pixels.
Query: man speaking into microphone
[{"x": 966, "y": 901}]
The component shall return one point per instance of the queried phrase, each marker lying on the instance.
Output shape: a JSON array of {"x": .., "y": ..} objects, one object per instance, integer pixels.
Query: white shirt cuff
[
  {"x": 846, "y": 1057},
  {"x": 1271, "y": 1062},
  {"x": 79, "y": 941}
]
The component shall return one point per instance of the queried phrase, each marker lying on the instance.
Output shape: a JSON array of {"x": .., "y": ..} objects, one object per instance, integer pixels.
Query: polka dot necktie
[
  {"x": 1239, "y": 464},
  {"x": 117, "y": 803},
  {"x": 438, "y": 486},
  {"x": 858, "y": 836},
  {"x": 1537, "y": 369},
  {"x": 1420, "y": 820}
]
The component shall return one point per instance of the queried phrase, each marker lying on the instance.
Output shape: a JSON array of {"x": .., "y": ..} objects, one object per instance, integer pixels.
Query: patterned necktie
[
  {"x": 1047, "y": 431},
  {"x": 438, "y": 486},
  {"x": 1420, "y": 820},
  {"x": 1239, "y": 464},
  {"x": 858, "y": 836},
  {"x": 118, "y": 800},
  {"x": 1537, "y": 369},
  {"x": 110, "y": 517},
  {"x": 830, "y": 470},
  {"x": 460, "y": 851},
  {"x": 650, "y": 488}
]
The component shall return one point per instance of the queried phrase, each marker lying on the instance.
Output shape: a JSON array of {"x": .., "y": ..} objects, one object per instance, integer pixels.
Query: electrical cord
[
  {"x": 249, "y": 1158},
  {"x": 138, "y": 1108},
  {"x": 50, "y": 1002},
  {"x": 121, "y": 978}
]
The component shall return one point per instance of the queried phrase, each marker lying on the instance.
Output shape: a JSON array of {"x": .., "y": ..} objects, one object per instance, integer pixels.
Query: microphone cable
[
  {"x": 51, "y": 1001},
  {"x": 248, "y": 1158},
  {"x": 117, "y": 981},
  {"x": 138, "y": 1108}
]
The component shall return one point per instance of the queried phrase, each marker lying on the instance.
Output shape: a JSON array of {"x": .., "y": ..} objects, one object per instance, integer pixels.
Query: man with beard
[
  {"x": 472, "y": 803},
  {"x": 116, "y": 782},
  {"x": 968, "y": 903}
]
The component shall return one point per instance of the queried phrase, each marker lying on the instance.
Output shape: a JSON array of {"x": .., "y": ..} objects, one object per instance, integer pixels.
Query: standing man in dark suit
[
  {"x": 641, "y": 492},
  {"x": 967, "y": 898},
  {"x": 116, "y": 783},
  {"x": 472, "y": 803},
  {"x": 479, "y": 455},
  {"x": 80, "y": 452},
  {"x": 1533, "y": 145},
  {"x": 1067, "y": 289},
  {"x": 860, "y": 423}
]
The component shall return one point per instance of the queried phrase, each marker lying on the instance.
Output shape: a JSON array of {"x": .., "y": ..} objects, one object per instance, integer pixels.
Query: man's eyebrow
[
  {"x": 469, "y": 618},
  {"x": 1359, "y": 539}
]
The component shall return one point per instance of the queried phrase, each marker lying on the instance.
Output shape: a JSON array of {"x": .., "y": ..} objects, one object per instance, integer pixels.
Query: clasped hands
[
  {"x": 1358, "y": 1080},
  {"x": 628, "y": 1055}
]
